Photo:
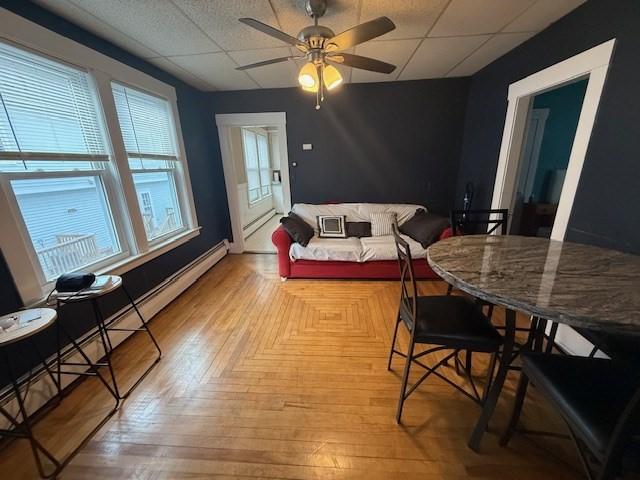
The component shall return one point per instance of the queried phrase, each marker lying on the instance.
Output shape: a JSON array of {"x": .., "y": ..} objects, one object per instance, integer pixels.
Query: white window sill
[
  {"x": 122, "y": 266},
  {"x": 135, "y": 261}
]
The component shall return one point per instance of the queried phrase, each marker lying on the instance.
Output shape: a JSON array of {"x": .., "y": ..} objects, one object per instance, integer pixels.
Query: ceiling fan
[{"x": 322, "y": 48}]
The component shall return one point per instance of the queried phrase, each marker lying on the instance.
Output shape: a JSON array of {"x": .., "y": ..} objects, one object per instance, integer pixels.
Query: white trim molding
[
  {"x": 224, "y": 122},
  {"x": 592, "y": 64}
]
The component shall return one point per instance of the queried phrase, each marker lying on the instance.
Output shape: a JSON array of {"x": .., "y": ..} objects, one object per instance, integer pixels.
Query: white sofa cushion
[
  {"x": 352, "y": 249},
  {"x": 360, "y": 250},
  {"x": 384, "y": 248},
  {"x": 382, "y": 223},
  {"x": 336, "y": 249},
  {"x": 355, "y": 212}
]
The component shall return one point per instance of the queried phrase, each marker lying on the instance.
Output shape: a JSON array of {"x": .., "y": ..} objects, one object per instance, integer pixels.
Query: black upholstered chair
[
  {"x": 445, "y": 323},
  {"x": 599, "y": 400}
]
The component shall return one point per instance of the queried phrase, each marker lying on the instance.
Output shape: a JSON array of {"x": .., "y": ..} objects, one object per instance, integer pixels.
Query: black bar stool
[
  {"x": 92, "y": 294},
  {"x": 25, "y": 324}
]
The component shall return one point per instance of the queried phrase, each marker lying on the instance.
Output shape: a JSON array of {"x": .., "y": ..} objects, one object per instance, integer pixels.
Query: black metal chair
[
  {"x": 445, "y": 322},
  {"x": 469, "y": 222},
  {"x": 599, "y": 400}
]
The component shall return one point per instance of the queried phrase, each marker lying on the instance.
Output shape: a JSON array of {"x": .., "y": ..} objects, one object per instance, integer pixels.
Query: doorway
[
  {"x": 591, "y": 65},
  {"x": 548, "y": 139},
  {"x": 256, "y": 170}
]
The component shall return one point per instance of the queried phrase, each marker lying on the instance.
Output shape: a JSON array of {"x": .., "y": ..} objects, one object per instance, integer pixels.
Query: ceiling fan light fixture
[
  {"x": 331, "y": 77},
  {"x": 308, "y": 77}
]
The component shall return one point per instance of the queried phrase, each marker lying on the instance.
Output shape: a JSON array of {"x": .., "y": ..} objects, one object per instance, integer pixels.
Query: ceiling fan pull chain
[{"x": 322, "y": 82}]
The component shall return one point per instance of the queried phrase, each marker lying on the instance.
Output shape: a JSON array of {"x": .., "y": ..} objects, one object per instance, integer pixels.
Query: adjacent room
[{"x": 308, "y": 239}]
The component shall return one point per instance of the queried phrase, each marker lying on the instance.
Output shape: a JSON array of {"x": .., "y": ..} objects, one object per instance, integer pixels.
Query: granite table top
[{"x": 569, "y": 283}]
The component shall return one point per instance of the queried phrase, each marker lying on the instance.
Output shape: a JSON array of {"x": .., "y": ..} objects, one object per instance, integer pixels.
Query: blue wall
[
  {"x": 605, "y": 209},
  {"x": 372, "y": 142},
  {"x": 205, "y": 167},
  {"x": 564, "y": 106}
]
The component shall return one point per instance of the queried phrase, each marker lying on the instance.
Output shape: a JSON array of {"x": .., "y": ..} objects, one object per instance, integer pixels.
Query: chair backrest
[
  {"x": 465, "y": 221},
  {"x": 408, "y": 287}
]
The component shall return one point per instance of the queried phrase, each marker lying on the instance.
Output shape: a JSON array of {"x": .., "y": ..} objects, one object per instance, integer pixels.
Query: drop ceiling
[{"x": 202, "y": 42}]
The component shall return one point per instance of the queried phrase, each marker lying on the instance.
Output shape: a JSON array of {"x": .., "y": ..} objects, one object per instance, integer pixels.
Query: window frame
[
  {"x": 117, "y": 178},
  {"x": 261, "y": 196}
]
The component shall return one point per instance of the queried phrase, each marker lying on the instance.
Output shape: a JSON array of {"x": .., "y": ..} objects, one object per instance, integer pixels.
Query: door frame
[
  {"x": 224, "y": 122},
  {"x": 542, "y": 115},
  {"x": 592, "y": 64}
]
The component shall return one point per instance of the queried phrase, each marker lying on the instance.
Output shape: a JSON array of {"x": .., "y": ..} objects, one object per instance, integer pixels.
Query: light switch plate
[{"x": 307, "y": 146}]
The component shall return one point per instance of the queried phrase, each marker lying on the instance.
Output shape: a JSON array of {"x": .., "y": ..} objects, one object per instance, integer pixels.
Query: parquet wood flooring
[{"x": 268, "y": 379}]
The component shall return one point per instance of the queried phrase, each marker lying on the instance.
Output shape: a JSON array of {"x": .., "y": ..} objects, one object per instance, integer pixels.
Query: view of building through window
[{"x": 68, "y": 221}]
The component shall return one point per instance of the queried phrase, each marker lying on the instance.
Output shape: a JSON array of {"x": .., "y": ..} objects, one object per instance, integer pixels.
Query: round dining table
[{"x": 563, "y": 282}]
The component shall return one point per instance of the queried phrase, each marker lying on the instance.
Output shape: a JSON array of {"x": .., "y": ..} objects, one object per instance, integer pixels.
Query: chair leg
[
  {"x": 468, "y": 359},
  {"x": 552, "y": 337},
  {"x": 393, "y": 342},
  {"x": 490, "y": 371},
  {"x": 449, "y": 289},
  {"x": 521, "y": 393},
  {"x": 405, "y": 378}
]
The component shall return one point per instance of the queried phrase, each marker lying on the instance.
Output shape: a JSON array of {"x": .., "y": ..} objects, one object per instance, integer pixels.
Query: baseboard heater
[
  {"x": 254, "y": 225},
  {"x": 42, "y": 390}
]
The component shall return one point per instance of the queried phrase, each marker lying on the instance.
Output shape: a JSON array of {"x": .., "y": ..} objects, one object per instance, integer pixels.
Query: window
[
  {"x": 54, "y": 160},
  {"x": 148, "y": 137},
  {"x": 78, "y": 204},
  {"x": 257, "y": 164}
]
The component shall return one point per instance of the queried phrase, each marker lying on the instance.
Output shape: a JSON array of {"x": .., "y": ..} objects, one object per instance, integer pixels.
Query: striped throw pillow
[{"x": 382, "y": 223}]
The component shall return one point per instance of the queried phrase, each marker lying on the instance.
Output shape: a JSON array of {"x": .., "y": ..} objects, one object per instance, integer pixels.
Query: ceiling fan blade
[
  {"x": 266, "y": 62},
  {"x": 363, "y": 63},
  {"x": 275, "y": 33},
  {"x": 359, "y": 34}
]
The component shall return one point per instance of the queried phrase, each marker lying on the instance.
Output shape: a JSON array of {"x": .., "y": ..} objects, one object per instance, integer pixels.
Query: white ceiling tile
[
  {"x": 475, "y": 17},
  {"x": 413, "y": 18},
  {"x": 340, "y": 16},
  {"x": 216, "y": 69},
  {"x": 157, "y": 24},
  {"x": 278, "y": 75},
  {"x": 179, "y": 72},
  {"x": 497, "y": 46},
  {"x": 396, "y": 52},
  {"x": 220, "y": 20},
  {"x": 97, "y": 26},
  {"x": 193, "y": 32},
  {"x": 542, "y": 14},
  {"x": 436, "y": 56}
]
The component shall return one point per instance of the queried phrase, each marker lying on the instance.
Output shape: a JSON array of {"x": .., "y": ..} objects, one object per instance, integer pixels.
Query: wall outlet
[{"x": 307, "y": 146}]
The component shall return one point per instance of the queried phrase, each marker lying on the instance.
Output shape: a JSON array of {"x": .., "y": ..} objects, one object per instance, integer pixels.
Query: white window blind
[
  {"x": 146, "y": 125},
  {"x": 147, "y": 130},
  {"x": 47, "y": 110}
]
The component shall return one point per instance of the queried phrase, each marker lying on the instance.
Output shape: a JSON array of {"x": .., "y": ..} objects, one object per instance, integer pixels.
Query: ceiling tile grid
[{"x": 202, "y": 42}]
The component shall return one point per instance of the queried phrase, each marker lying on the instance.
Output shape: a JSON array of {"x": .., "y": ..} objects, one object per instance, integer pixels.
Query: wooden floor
[{"x": 265, "y": 379}]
